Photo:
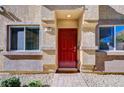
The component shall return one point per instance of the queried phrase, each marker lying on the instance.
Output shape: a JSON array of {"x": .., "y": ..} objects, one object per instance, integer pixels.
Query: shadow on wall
[
  {"x": 9, "y": 15},
  {"x": 109, "y": 15},
  {"x": 52, "y": 52}
]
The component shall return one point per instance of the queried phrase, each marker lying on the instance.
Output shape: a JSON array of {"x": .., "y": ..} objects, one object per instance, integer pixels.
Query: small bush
[
  {"x": 11, "y": 82},
  {"x": 35, "y": 83}
]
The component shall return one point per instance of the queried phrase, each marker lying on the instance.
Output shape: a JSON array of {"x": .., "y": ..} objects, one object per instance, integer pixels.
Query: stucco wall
[
  {"x": 80, "y": 35},
  {"x": 109, "y": 63},
  {"x": 91, "y": 12},
  {"x": 25, "y": 15},
  {"x": 93, "y": 15},
  {"x": 47, "y": 13},
  {"x": 95, "y": 12},
  {"x": 110, "y": 15},
  {"x": 24, "y": 12},
  {"x": 49, "y": 40},
  {"x": 111, "y": 12},
  {"x": 88, "y": 38},
  {"x": 49, "y": 57},
  {"x": 25, "y": 65},
  {"x": 88, "y": 43}
]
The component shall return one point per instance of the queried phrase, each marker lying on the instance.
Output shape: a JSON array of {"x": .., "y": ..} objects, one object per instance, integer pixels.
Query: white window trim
[
  {"x": 114, "y": 36},
  {"x": 24, "y": 26}
]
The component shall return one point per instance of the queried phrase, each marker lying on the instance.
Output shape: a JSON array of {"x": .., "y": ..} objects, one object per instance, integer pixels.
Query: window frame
[
  {"x": 23, "y": 26},
  {"x": 115, "y": 36}
]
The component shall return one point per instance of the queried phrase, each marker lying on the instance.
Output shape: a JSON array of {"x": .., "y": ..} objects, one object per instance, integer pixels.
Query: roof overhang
[
  {"x": 63, "y": 7},
  {"x": 69, "y": 14}
]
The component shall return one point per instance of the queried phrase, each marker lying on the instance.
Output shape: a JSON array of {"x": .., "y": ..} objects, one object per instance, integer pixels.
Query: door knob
[{"x": 75, "y": 47}]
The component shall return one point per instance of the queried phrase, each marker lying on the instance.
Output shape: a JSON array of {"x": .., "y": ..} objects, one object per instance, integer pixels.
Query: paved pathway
[{"x": 68, "y": 80}]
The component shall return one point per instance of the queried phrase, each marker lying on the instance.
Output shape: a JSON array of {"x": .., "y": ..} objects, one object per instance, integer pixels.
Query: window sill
[
  {"x": 23, "y": 55},
  {"x": 89, "y": 48},
  {"x": 116, "y": 52}
]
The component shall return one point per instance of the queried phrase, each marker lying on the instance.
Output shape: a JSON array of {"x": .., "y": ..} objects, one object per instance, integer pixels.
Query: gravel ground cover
[
  {"x": 46, "y": 79},
  {"x": 71, "y": 80},
  {"x": 95, "y": 80}
]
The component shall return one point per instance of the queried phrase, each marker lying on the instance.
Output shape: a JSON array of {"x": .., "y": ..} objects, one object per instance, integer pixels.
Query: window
[
  {"x": 106, "y": 38},
  {"x": 119, "y": 37},
  {"x": 17, "y": 38},
  {"x": 111, "y": 38},
  {"x": 24, "y": 37}
]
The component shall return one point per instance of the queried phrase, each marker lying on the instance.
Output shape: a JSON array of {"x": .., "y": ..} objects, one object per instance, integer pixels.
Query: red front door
[{"x": 67, "y": 48}]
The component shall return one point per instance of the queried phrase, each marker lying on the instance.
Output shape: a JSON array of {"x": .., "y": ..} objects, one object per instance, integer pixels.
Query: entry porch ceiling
[
  {"x": 63, "y": 7},
  {"x": 74, "y": 14}
]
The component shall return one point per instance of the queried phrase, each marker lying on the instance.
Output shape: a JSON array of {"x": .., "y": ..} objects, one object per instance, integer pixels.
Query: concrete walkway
[{"x": 68, "y": 80}]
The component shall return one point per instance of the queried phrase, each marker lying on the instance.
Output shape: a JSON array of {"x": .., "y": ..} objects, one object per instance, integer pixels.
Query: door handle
[{"x": 74, "y": 47}]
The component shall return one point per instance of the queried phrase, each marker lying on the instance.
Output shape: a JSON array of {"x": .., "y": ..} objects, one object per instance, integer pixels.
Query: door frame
[{"x": 57, "y": 40}]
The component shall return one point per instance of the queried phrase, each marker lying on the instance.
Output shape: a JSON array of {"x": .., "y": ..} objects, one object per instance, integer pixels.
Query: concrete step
[{"x": 68, "y": 70}]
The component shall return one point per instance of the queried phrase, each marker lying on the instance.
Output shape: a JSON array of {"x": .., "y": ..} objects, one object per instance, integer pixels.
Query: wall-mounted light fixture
[
  {"x": 68, "y": 15},
  {"x": 48, "y": 29}
]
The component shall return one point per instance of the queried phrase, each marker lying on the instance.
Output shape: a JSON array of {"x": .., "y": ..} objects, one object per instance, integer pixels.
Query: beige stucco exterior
[{"x": 87, "y": 24}]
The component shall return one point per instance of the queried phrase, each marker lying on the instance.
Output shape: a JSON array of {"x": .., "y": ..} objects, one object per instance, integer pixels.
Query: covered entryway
[
  {"x": 67, "y": 48},
  {"x": 68, "y": 31}
]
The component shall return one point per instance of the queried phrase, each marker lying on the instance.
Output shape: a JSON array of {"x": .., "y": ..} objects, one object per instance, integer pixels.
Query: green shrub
[
  {"x": 120, "y": 38},
  {"x": 35, "y": 83},
  {"x": 11, "y": 82}
]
